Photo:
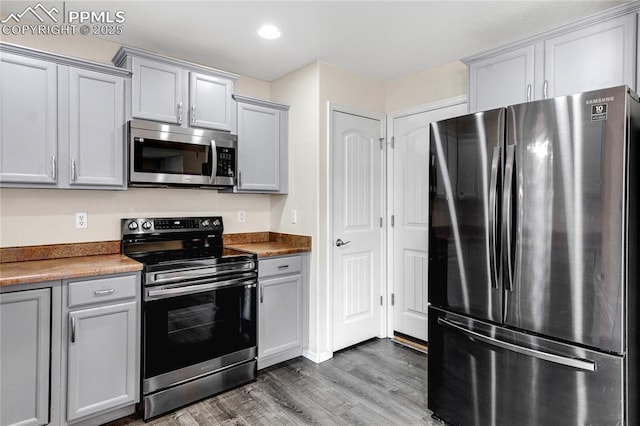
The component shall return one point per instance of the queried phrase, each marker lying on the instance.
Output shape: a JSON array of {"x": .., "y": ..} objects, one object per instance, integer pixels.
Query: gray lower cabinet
[
  {"x": 25, "y": 349},
  {"x": 102, "y": 345},
  {"x": 62, "y": 122},
  {"x": 281, "y": 311},
  {"x": 262, "y": 146}
]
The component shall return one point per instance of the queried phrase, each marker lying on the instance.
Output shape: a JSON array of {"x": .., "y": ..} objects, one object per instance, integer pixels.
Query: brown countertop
[
  {"x": 35, "y": 271},
  {"x": 268, "y": 244},
  {"x": 33, "y": 264}
]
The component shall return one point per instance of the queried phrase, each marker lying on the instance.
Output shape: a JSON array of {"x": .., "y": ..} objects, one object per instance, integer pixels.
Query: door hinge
[
  {"x": 393, "y": 299},
  {"x": 393, "y": 221},
  {"x": 381, "y": 223},
  {"x": 381, "y": 301},
  {"x": 393, "y": 142},
  {"x": 382, "y": 143}
]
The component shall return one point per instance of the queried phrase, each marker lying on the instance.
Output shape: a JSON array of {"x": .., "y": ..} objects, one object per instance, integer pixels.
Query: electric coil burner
[{"x": 199, "y": 310}]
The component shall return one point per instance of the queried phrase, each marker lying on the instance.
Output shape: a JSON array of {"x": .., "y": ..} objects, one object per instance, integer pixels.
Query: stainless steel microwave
[{"x": 168, "y": 155}]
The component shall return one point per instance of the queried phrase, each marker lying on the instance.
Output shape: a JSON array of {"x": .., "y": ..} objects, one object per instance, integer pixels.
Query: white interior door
[
  {"x": 409, "y": 198},
  {"x": 357, "y": 208}
]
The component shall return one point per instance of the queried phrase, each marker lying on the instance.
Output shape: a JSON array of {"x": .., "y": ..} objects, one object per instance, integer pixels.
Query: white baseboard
[{"x": 317, "y": 358}]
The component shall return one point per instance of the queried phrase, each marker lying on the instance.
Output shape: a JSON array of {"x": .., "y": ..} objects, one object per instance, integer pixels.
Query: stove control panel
[{"x": 164, "y": 225}]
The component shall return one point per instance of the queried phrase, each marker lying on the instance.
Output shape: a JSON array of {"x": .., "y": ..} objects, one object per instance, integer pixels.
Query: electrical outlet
[
  {"x": 242, "y": 216},
  {"x": 82, "y": 220},
  {"x": 293, "y": 218}
]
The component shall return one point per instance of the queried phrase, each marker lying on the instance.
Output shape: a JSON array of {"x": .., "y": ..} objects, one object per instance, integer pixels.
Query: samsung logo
[{"x": 600, "y": 100}]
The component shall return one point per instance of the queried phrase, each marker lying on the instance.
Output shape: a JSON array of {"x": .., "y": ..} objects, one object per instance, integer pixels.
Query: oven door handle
[{"x": 198, "y": 288}]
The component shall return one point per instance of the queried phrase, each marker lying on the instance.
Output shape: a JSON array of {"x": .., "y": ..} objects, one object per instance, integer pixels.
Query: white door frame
[
  {"x": 331, "y": 108},
  {"x": 389, "y": 184}
]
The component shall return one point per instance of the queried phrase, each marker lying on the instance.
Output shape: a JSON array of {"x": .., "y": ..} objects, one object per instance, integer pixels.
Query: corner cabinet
[
  {"x": 25, "y": 349},
  {"x": 594, "y": 53},
  {"x": 62, "y": 122},
  {"x": 262, "y": 146},
  {"x": 102, "y": 345},
  {"x": 173, "y": 91},
  {"x": 282, "y": 309}
]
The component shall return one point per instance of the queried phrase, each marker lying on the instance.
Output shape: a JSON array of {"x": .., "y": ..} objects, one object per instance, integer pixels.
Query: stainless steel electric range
[{"x": 199, "y": 310}]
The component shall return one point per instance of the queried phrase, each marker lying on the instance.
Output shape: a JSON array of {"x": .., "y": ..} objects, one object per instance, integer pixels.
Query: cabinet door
[
  {"x": 25, "y": 328},
  {"x": 28, "y": 120},
  {"x": 101, "y": 359},
  {"x": 502, "y": 80},
  {"x": 280, "y": 315},
  {"x": 210, "y": 101},
  {"x": 96, "y": 128},
  {"x": 258, "y": 148},
  {"x": 594, "y": 57},
  {"x": 157, "y": 91}
]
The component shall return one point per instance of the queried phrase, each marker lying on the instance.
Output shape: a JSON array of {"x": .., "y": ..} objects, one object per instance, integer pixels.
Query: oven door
[{"x": 193, "y": 331}]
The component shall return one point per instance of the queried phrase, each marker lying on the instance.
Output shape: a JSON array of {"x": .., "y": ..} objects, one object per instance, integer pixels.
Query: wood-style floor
[{"x": 375, "y": 383}]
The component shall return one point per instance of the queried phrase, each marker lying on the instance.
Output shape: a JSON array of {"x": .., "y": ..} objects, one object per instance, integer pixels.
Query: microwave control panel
[{"x": 226, "y": 162}]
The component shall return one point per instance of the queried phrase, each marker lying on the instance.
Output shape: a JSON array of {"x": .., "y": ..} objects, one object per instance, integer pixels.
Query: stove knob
[
  {"x": 205, "y": 223},
  {"x": 146, "y": 225},
  {"x": 216, "y": 222},
  {"x": 133, "y": 226}
]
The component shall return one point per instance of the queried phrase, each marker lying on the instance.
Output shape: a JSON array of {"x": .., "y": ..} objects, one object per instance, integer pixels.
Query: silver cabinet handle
[
  {"x": 528, "y": 92},
  {"x": 239, "y": 179},
  {"x": 73, "y": 329},
  {"x": 340, "y": 243},
  {"x": 261, "y": 293},
  {"x": 545, "y": 89},
  {"x": 193, "y": 114},
  {"x": 581, "y": 364},
  {"x": 74, "y": 175},
  {"x": 283, "y": 267},
  {"x": 179, "y": 112},
  {"x": 105, "y": 292},
  {"x": 53, "y": 167}
]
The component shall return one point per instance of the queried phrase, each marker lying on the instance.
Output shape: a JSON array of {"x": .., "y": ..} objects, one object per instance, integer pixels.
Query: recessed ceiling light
[{"x": 270, "y": 32}]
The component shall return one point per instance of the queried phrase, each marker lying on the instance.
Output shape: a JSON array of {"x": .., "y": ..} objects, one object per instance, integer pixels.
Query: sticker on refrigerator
[{"x": 598, "y": 112}]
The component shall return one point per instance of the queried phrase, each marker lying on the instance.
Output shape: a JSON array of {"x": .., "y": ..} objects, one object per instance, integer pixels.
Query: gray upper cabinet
[
  {"x": 156, "y": 91},
  {"x": 503, "y": 79},
  {"x": 62, "y": 122},
  {"x": 28, "y": 120},
  {"x": 262, "y": 146},
  {"x": 598, "y": 56},
  {"x": 25, "y": 348},
  {"x": 173, "y": 91},
  {"x": 210, "y": 98},
  {"x": 597, "y": 52},
  {"x": 96, "y": 128}
]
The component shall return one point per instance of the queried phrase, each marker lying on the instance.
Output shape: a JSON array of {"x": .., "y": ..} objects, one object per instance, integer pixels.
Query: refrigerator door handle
[
  {"x": 507, "y": 200},
  {"x": 581, "y": 364},
  {"x": 493, "y": 216}
]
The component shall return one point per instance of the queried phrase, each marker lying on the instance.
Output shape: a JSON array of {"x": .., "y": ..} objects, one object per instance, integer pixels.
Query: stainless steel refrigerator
[{"x": 533, "y": 263}]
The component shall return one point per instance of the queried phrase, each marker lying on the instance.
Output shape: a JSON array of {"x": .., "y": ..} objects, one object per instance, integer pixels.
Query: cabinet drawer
[
  {"x": 102, "y": 290},
  {"x": 279, "y": 266}
]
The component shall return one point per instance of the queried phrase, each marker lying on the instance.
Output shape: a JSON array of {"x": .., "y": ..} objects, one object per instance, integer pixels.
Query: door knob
[{"x": 340, "y": 243}]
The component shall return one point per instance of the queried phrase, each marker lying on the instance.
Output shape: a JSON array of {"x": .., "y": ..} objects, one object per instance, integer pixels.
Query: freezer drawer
[{"x": 480, "y": 374}]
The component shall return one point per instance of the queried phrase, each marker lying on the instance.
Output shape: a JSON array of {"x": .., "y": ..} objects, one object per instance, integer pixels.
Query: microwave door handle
[{"x": 214, "y": 162}]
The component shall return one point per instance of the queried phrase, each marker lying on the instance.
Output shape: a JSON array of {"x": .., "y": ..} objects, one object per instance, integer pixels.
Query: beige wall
[
  {"x": 442, "y": 82},
  {"x": 300, "y": 90}
]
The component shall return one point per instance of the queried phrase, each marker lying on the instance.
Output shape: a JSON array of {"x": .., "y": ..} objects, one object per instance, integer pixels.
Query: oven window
[
  {"x": 187, "y": 330},
  {"x": 156, "y": 156}
]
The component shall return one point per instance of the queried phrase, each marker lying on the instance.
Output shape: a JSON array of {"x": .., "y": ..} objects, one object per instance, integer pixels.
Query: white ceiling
[{"x": 383, "y": 39}]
